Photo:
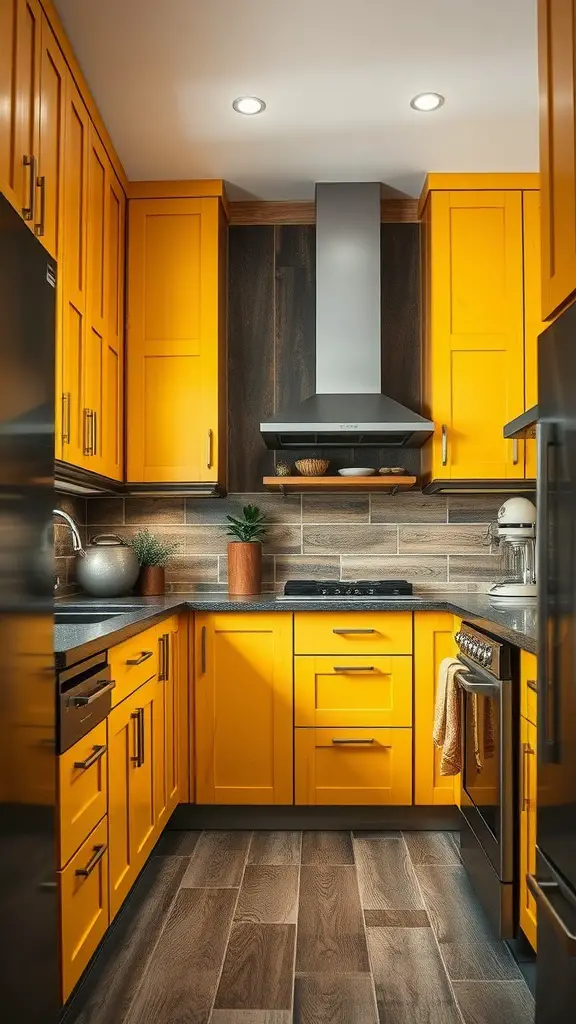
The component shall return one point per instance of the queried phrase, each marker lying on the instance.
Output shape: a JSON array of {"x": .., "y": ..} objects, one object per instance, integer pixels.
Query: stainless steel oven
[
  {"x": 488, "y": 772},
  {"x": 84, "y": 699}
]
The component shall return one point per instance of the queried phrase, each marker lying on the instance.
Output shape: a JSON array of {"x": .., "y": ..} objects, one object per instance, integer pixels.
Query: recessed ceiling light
[
  {"x": 427, "y": 101},
  {"x": 249, "y": 105}
]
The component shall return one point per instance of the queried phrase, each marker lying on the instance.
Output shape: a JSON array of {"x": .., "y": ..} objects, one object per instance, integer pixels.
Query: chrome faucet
[{"x": 76, "y": 539}]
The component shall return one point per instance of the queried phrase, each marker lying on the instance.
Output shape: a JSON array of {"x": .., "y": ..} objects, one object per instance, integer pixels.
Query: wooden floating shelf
[{"x": 287, "y": 484}]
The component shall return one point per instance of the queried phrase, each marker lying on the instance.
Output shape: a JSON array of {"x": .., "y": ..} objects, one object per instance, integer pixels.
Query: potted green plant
[
  {"x": 152, "y": 554},
  {"x": 245, "y": 551}
]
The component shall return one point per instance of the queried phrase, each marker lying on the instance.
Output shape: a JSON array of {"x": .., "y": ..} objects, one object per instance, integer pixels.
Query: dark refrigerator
[
  {"x": 554, "y": 885},
  {"x": 29, "y": 990}
]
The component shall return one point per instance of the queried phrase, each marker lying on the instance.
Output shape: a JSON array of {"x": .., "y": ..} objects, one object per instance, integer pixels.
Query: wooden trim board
[{"x": 255, "y": 212}]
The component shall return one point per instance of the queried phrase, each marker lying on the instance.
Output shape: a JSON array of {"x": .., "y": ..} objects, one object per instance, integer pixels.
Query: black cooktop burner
[{"x": 351, "y": 588}]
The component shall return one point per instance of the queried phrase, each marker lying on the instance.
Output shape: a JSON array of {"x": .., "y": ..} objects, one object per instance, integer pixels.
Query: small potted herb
[
  {"x": 152, "y": 555},
  {"x": 245, "y": 551}
]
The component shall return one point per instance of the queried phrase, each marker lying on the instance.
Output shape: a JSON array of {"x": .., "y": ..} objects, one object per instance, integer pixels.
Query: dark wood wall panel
[
  {"x": 295, "y": 282},
  {"x": 401, "y": 335},
  {"x": 250, "y": 354},
  {"x": 272, "y": 339}
]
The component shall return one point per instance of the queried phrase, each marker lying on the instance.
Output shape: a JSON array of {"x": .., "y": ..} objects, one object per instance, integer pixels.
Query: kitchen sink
[
  {"x": 70, "y": 618},
  {"x": 78, "y": 614}
]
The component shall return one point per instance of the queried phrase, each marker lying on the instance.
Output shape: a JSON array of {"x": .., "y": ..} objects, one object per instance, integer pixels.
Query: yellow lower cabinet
[
  {"x": 243, "y": 708},
  {"x": 131, "y": 783},
  {"x": 353, "y": 766},
  {"x": 83, "y": 905},
  {"x": 82, "y": 785},
  {"x": 353, "y": 691},
  {"x": 353, "y": 633},
  {"x": 528, "y": 795},
  {"x": 433, "y": 641}
]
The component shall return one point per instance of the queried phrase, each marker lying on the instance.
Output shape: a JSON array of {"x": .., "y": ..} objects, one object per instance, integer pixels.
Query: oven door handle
[
  {"x": 468, "y": 683},
  {"x": 102, "y": 687}
]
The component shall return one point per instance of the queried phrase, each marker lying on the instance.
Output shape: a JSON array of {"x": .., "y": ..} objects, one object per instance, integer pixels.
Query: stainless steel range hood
[{"x": 348, "y": 408}]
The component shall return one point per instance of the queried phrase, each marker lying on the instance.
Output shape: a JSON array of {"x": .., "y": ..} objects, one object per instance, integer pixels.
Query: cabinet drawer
[
  {"x": 134, "y": 662},
  {"x": 361, "y": 691},
  {"x": 353, "y": 633},
  {"x": 83, "y": 905},
  {"x": 82, "y": 775},
  {"x": 528, "y": 679},
  {"x": 353, "y": 766}
]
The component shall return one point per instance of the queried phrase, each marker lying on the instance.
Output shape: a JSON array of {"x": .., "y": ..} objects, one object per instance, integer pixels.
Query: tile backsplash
[{"x": 436, "y": 542}]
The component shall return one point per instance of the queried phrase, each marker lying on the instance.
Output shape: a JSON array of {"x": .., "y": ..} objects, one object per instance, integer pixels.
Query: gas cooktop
[{"x": 302, "y": 589}]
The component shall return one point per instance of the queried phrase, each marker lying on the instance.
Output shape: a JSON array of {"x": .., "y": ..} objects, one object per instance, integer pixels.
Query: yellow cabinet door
[
  {"x": 243, "y": 698},
  {"x": 366, "y": 691},
  {"x": 173, "y": 341},
  {"x": 433, "y": 641},
  {"x": 475, "y": 339},
  {"x": 112, "y": 435},
  {"x": 82, "y": 789},
  {"x": 95, "y": 339},
  {"x": 71, "y": 346},
  {"x": 84, "y": 914},
  {"x": 48, "y": 222},
  {"x": 353, "y": 766},
  {"x": 167, "y": 723},
  {"x": 9, "y": 173},
  {"x": 528, "y": 794},
  {"x": 557, "y": 63},
  {"x": 131, "y": 812},
  {"x": 20, "y": 35},
  {"x": 533, "y": 323},
  {"x": 528, "y": 686}
]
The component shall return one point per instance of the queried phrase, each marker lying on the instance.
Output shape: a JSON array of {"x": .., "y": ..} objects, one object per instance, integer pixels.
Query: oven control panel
[{"x": 483, "y": 649}]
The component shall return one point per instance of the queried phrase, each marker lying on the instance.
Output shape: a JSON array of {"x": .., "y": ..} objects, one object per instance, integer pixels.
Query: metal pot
[{"x": 107, "y": 567}]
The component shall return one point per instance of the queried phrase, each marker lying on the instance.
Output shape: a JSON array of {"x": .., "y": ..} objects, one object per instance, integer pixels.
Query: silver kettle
[{"x": 107, "y": 567}]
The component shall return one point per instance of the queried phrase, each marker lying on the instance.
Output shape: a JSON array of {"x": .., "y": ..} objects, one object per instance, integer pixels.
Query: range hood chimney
[{"x": 348, "y": 408}]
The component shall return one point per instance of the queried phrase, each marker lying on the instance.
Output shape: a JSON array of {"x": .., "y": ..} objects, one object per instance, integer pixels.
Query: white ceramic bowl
[{"x": 357, "y": 471}]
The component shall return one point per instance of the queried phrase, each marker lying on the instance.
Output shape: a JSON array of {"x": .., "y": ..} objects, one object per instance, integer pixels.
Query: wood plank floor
[{"x": 308, "y": 928}]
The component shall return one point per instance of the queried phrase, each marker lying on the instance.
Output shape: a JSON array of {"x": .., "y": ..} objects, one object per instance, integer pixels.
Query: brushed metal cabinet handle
[
  {"x": 88, "y": 437},
  {"x": 342, "y": 743},
  {"x": 40, "y": 227},
  {"x": 142, "y": 658},
  {"x": 98, "y": 853},
  {"x": 168, "y": 654},
  {"x": 94, "y": 757},
  {"x": 138, "y": 717},
  {"x": 532, "y": 685},
  {"x": 28, "y": 211},
  {"x": 444, "y": 445},
  {"x": 345, "y": 632},
  {"x": 162, "y": 659},
  {"x": 66, "y": 399},
  {"x": 354, "y": 668},
  {"x": 515, "y": 451},
  {"x": 209, "y": 450},
  {"x": 94, "y": 433}
]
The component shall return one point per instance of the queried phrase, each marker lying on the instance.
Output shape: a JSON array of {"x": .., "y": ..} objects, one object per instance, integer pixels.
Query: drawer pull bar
[
  {"x": 532, "y": 685},
  {"x": 354, "y": 668},
  {"x": 345, "y": 632},
  {"x": 96, "y": 857},
  {"x": 143, "y": 657},
  {"x": 97, "y": 753},
  {"x": 343, "y": 742},
  {"x": 89, "y": 698}
]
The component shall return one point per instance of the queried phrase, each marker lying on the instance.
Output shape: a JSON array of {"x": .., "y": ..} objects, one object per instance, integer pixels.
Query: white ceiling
[{"x": 337, "y": 76}]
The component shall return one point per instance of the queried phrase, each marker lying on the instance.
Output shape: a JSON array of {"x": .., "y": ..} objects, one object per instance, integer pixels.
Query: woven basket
[{"x": 312, "y": 467}]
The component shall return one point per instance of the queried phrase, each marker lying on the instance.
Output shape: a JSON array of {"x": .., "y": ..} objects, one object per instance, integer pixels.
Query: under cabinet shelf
[{"x": 286, "y": 484}]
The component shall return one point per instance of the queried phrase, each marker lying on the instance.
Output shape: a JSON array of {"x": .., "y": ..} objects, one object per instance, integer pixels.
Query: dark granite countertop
[{"x": 72, "y": 643}]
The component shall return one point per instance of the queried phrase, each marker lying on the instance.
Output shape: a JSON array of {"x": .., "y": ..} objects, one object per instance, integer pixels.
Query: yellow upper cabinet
[
  {"x": 473, "y": 293},
  {"x": 32, "y": 86},
  {"x": 557, "y": 64},
  {"x": 176, "y": 357},
  {"x": 533, "y": 323},
  {"x": 244, "y": 708}
]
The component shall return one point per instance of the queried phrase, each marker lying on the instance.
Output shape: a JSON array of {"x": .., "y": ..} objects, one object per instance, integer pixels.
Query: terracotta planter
[
  {"x": 152, "y": 580},
  {"x": 244, "y": 568}
]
